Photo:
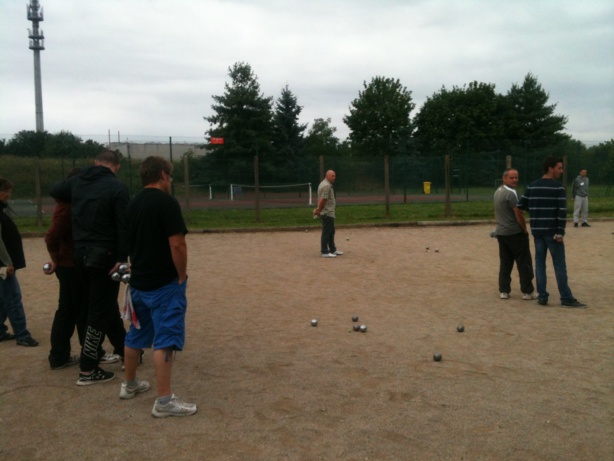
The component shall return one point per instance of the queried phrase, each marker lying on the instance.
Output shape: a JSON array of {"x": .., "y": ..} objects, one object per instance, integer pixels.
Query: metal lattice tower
[{"x": 37, "y": 44}]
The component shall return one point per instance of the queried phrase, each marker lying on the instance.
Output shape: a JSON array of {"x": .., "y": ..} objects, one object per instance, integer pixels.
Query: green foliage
[
  {"x": 288, "y": 138},
  {"x": 46, "y": 145},
  {"x": 243, "y": 117},
  {"x": 379, "y": 119},
  {"x": 321, "y": 139}
]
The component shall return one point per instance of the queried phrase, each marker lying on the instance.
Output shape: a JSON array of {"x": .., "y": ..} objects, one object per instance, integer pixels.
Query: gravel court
[{"x": 521, "y": 382}]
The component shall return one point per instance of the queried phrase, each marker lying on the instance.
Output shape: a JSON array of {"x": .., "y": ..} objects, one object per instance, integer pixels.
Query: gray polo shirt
[{"x": 505, "y": 201}]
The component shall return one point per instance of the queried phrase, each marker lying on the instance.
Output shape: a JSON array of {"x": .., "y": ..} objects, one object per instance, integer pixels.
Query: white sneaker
[
  {"x": 529, "y": 296},
  {"x": 110, "y": 358},
  {"x": 176, "y": 407},
  {"x": 338, "y": 253},
  {"x": 504, "y": 295},
  {"x": 126, "y": 392},
  {"x": 329, "y": 255}
]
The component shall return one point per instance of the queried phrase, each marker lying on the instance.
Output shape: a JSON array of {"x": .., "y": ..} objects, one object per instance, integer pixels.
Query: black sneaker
[
  {"x": 542, "y": 302},
  {"x": 27, "y": 342},
  {"x": 73, "y": 360},
  {"x": 573, "y": 303},
  {"x": 585, "y": 224},
  {"x": 7, "y": 337},
  {"x": 95, "y": 377},
  {"x": 575, "y": 224}
]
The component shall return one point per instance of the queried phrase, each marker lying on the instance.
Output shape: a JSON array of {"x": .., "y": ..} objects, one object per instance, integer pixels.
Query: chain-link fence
[{"x": 411, "y": 178}]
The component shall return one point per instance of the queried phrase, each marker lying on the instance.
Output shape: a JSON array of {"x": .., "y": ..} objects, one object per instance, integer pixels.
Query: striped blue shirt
[{"x": 546, "y": 202}]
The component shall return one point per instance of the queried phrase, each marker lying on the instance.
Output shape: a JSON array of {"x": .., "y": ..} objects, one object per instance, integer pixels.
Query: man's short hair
[
  {"x": 109, "y": 157},
  {"x": 5, "y": 185},
  {"x": 551, "y": 162},
  {"x": 507, "y": 170},
  {"x": 151, "y": 169}
]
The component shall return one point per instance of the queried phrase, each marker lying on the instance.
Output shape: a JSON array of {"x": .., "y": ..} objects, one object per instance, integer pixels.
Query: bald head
[{"x": 330, "y": 176}]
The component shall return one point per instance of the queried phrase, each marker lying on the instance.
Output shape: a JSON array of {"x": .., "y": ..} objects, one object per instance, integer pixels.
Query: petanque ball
[
  {"x": 437, "y": 357},
  {"x": 314, "y": 323},
  {"x": 46, "y": 267},
  {"x": 460, "y": 328},
  {"x": 116, "y": 276},
  {"x": 122, "y": 269},
  {"x": 356, "y": 327},
  {"x": 363, "y": 328},
  {"x": 354, "y": 318},
  {"x": 126, "y": 278}
]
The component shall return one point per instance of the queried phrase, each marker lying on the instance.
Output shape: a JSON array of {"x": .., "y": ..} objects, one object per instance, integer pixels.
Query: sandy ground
[{"x": 522, "y": 382}]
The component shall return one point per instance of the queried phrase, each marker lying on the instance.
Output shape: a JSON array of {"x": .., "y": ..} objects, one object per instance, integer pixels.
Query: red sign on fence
[{"x": 217, "y": 141}]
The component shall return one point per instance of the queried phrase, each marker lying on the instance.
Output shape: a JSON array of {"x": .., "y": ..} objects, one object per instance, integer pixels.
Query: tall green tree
[
  {"x": 321, "y": 139},
  {"x": 463, "y": 119},
  {"x": 288, "y": 135},
  {"x": 64, "y": 144},
  {"x": 243, "y": 117},
  {"x": 530, "y": 119},
  {"x": 379, "y": 119}
]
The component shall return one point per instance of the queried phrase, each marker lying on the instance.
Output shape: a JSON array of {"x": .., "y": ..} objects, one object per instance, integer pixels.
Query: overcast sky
[{"x": 148, "y": 68}]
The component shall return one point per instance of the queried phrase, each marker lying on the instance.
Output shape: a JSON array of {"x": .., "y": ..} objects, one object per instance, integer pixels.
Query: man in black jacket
[{"x": 98, "y": 202}]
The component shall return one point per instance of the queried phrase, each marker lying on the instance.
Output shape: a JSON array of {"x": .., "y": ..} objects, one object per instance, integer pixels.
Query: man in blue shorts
[{"x": 158, "y": 260}]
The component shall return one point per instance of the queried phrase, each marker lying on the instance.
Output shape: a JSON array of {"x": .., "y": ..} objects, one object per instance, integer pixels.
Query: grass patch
[{"x": 600, "y": 207}]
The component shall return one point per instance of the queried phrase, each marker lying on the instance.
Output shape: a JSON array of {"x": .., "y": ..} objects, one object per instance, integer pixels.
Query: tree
[
  {"x": 530, "y": 120},
  {"x": 288, "y": 138},
  {"x": 463, "y": 119},
  {"x": 379, "y": 119},
  {"x": 321, "y": 139},
  {"x": 43, "y": 144},
  {"x": 243, "y": 117}
]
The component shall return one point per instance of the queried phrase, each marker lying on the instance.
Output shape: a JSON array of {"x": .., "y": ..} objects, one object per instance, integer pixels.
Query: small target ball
[
  {"x": 436, "y": 250},
  {"x": 460, "y": 328},
  {"x": 363, "y": 328},
  {"x": 437, "y": 357},
  {"x": 427, "y": 248},
  {"x": 347, "y": 239},
  {"x": 356, "y": 327},
  {"x": 314, "y": 323},
  {"x": 116, "y": 276}
]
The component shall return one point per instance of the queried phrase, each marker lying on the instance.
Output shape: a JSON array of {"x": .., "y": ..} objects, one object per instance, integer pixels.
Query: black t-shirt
[{"x": 153, "y": 217}]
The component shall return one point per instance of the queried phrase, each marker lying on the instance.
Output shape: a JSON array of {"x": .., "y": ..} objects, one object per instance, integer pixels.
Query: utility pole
[{"x": 37, "y": 44}]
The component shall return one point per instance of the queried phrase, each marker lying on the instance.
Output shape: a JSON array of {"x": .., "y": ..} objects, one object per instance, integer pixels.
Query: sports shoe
[
  {"x": 575, "y": 224},
  {"x": 176, "y": 407},
  {"x": 338, "y": 253},
  {"x": 329, "y": 255},
  {"x": 7, "y": 337},
  {"x": 573, "y": 303},
  {"x": 542, "y": 302},
  {"x": 95, "y": 377},
  {"x": 126, "y": 392},
  {"x": 585, "y": 224},
  {"x": 529, "y": 296},
  {"x": 110, "y": 358},
  {"x": 73, "y": 360},
  {"x": 504, "y": 295},
  {"x": 27, "y": 342}
]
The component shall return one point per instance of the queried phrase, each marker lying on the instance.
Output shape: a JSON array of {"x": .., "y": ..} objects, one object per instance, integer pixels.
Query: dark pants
[
  {"x": 67, "y": 316},
  {"x": 327, "y": 241},
  {"x": 515, "y": 248},
  {"x": 102, "y": 317}
]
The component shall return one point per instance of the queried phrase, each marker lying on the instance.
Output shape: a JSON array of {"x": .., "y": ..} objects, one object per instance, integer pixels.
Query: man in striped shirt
[{"x": 546, "y": 202}]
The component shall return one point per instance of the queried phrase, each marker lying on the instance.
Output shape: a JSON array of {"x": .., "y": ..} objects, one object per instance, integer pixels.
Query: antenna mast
[{"x": 37, "y": 44}]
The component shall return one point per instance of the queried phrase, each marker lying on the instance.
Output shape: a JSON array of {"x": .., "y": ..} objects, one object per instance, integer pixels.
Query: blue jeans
[
  {"x": 543, "y": 244},
  {"x": 11, "y": 306}
]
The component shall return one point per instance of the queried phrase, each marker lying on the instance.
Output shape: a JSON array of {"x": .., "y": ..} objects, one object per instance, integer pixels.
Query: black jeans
[
  {"x": 327, "y": 241},
  {"x": 68, "y": 316},
  {"x": 515, "y": 248},
  {"x": 102, "y": 312}
]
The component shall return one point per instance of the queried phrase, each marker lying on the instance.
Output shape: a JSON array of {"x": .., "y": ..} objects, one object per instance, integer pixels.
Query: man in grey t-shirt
[
  {"x": 580, "y": 197},
  {"x": 513, "y": 239}
]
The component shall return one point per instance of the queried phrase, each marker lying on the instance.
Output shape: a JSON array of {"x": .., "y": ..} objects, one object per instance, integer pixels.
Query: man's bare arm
[{"x": 179, "y": 252}]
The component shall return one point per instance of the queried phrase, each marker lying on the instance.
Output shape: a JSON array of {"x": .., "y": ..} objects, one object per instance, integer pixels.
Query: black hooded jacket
[{"x": 98, "y": 202}]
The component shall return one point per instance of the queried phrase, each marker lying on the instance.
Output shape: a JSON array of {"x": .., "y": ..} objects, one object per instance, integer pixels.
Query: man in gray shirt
[
  {"x": 513, "y": 239},
  {"x": 580, "y": 197}
]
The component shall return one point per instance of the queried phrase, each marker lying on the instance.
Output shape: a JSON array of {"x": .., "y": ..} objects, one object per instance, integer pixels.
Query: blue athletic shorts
[{"x": 161, "y": 314}]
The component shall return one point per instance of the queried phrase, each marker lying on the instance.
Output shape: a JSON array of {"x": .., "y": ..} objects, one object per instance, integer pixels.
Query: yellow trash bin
[{"x": 427, "y": 187}]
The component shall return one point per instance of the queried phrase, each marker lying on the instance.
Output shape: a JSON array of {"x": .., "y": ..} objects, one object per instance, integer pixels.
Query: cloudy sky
[{"x": 147, "y": 69}]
